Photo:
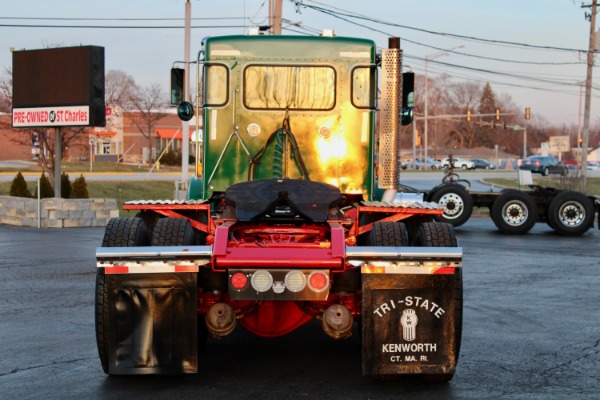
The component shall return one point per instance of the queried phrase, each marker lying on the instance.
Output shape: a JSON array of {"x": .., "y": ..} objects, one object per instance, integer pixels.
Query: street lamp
[{"x": 427, "y": 58}]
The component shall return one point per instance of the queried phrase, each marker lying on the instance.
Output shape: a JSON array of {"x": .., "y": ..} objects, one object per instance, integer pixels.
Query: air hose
[{"x": 279, "y": 135}]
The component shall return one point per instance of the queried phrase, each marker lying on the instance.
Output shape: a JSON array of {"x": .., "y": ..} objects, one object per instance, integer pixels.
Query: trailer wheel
[
  {"x": 434, "y": 234},
  {"x": 456, "y": 202},
  {"x": 388, "y": 234},
  {"x": 514, "y": 212},
  {"x": 120, "y": 232},
  {"x": 571, "y": 213}
]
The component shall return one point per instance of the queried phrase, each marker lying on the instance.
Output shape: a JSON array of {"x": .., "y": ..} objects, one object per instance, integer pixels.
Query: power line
[
  {"x": 113, "y": 19},
  {"x": 346, "y": 13},
  {"x": 333, "y": 14},
  {"x": 117, "y": 26}
]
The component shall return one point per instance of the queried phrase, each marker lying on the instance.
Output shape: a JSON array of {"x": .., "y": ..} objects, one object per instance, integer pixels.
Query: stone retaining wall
[{"x": 57, "y": 213}]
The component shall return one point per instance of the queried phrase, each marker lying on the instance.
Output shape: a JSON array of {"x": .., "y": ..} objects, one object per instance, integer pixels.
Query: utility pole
[
  {"x": 588, "y": 94},
  {"x": 275, "y": 12},
  {"x": 185, "y": 125}
]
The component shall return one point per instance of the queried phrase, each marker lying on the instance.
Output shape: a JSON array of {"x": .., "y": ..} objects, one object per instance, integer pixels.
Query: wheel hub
[
  {"x": 515, "y": 213},
  {"x": 452, "y": 205},
  {"x": 572, "y": 214}
]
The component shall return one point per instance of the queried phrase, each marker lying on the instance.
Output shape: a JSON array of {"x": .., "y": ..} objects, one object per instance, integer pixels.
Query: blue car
[
  {"x": 483, "y": 164},
  {"x": 544, "y": 165}
]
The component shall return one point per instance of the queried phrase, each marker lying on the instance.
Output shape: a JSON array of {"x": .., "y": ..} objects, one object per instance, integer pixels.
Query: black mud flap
[
  {"x": 152, "y": 327},
  {"x": 411, "y": 324}
]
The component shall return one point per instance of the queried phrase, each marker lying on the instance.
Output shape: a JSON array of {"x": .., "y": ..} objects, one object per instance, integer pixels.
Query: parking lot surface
[{"x": 531, "y": 329}]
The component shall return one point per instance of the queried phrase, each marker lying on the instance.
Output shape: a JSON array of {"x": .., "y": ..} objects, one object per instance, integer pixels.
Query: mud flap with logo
[
  {"x": 411, "y": 324},
  {"x": 152, "y": 323}
]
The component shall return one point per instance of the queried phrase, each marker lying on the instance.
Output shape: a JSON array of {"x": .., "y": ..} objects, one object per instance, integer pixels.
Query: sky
[{"x": 529, "y": 50}]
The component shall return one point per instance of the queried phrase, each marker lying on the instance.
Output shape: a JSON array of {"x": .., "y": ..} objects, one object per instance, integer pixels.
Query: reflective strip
[
  {"x": 423, "y": 270},
  {"x": 213, "y": 124},
  {"x": 147, "y": 253},
  {"x": 355, "y": 54},
  {"x": 147, "y": 268},
  {"x": 225, "y": 53},
  {"x": 366, "y": 122}
]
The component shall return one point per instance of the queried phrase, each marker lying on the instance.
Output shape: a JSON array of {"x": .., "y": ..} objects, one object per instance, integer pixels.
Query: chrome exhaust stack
[{"x": 390, "y": 119}]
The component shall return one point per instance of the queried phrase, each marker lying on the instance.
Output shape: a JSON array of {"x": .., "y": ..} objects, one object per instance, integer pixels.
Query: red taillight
[
  {"x": 239, "y": 280},
  {"x": 537, "y": 163},
  {"x": 318, "y": 281}
]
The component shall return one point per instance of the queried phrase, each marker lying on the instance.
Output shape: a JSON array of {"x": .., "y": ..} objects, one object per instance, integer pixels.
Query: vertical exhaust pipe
[{"x": 390, "y": 119}]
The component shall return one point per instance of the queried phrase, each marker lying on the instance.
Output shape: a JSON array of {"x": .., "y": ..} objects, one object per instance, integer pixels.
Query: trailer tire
[
  {"x": 119, "y": 232},
  {"x": 514, "y": 212},
  {"x": 388, "y": 234},
  {"x": 571, "y": 213},
  {"x": 436, "y": 234},
  {"x": 456, "y": 202}
]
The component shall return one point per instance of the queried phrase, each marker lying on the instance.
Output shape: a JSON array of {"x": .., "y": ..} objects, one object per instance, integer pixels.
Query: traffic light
[
  {"x": 527, "y": 113},
  {"x": 468, "y": 115},
  {"x": 497, "y": 114}
]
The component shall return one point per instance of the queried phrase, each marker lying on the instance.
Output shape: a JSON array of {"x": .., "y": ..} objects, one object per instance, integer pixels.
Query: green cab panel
[{"x": 289, "y": 107}]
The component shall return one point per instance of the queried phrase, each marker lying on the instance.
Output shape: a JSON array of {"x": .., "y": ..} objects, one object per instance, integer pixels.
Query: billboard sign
[
  {"x": 59, "y": 87},
  {"x": 559, "y": 144},
  {"x": 51, "y": 116}
]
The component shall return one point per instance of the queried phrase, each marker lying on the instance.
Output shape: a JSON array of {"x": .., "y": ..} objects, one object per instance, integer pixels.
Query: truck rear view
[{"x": 292, "y": 217}]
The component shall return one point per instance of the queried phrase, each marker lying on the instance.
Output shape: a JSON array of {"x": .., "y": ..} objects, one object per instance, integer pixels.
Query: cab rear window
[{"x": 289, "y": 87}]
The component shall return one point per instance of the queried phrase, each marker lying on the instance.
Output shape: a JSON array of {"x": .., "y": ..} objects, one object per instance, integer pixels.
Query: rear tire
[
  {"x": 179, "y": 232},
  {"x": 514, "y": 212},
  {"x": 388, "y": 234},
  {"x": 120, "y": 232},
  {"x": 173, "y": 232},
  {"x": 432, "y": 234},
  {"x": 571, "y": 213}
]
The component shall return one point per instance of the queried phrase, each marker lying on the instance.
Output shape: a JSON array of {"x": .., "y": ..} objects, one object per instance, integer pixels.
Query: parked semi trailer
[
  {"x": 283, "y": 225},
  {"x": 513, "y": 211}
]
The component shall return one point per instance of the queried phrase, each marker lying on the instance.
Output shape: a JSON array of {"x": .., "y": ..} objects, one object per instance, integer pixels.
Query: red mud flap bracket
[{"x": 412, "y": 315}]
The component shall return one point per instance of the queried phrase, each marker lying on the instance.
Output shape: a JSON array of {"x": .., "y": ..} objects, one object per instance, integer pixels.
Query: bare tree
[
  {"x": 463, "y": 96},
  {"x": 149, "y": 107},
  {"x": 118, "y": 90},
  {"x": 6, "y": 90}
]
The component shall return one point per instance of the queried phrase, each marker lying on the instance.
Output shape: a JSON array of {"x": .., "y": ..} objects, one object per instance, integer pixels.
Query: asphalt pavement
[{"x": 531, "y": 329}]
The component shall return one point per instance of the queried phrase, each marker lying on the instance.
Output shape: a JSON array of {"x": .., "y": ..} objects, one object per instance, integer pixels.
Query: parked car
[
  {"x": 483, "y": 164},
  {"x": 593, "y": 165},
  {"x": 459, "y": 163},
  {"x": 544, "y": 165},
  {"x": 420, "y": 163},
  {"x": 571, "y": 164}
]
